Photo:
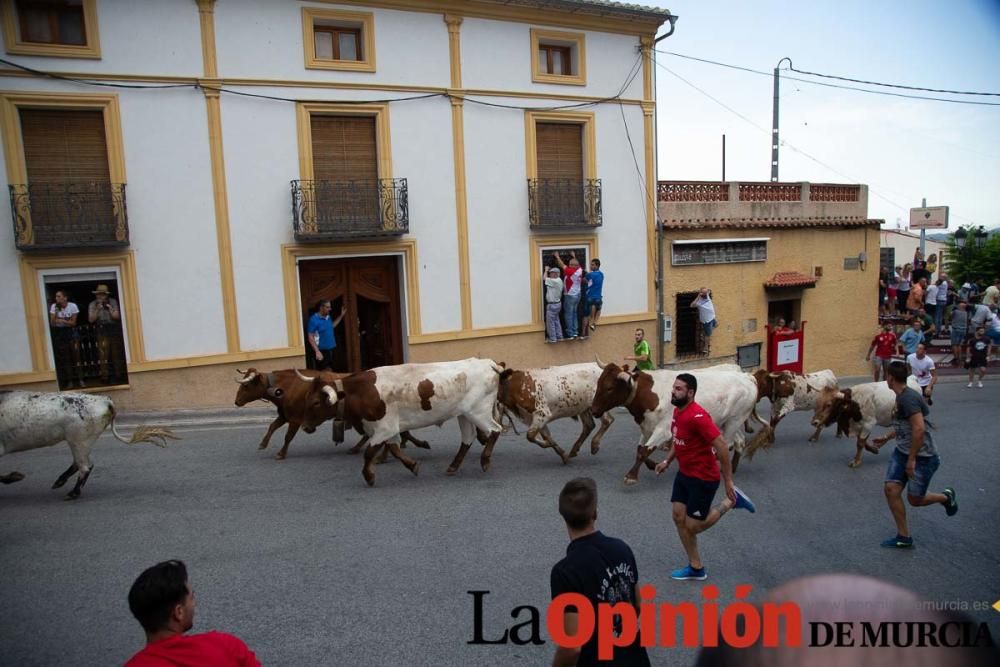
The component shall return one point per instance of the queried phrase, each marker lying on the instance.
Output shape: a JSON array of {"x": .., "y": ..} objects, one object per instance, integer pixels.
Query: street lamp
[
  {"x": 981, "y": 237},
  {"x": 960, "y": 238}
]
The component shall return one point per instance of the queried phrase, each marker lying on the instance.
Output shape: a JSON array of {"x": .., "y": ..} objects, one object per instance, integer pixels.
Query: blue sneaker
[
  {"x": 689, "y": 573},
  {"x": 951, "y": 507},
  {"x": 898, "y": 542},
  {"x": 743, "y": 501}
]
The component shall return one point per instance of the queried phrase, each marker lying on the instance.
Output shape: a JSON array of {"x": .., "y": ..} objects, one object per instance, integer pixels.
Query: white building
[
  {"x": 898, "y": 247},
  {"x": 435, "y": 148}
]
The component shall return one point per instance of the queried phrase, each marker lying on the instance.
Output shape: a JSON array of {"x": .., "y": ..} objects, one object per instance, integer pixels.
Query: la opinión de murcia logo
[{"x": 739, "y": 624}]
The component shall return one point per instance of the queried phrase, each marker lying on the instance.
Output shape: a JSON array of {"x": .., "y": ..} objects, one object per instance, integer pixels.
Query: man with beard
[
  {"x": 697, "y": 442},
  {"x": 162, "y": 601}
]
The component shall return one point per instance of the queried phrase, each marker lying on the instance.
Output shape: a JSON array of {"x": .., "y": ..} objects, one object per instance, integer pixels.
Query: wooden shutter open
[
  {"x": 64, "y": 145},
  {"x": 560, "y": 150},
  {"x": 344, "y": 148}
]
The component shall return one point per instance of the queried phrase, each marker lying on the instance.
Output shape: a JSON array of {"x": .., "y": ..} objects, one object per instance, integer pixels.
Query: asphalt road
[{"x": 311, "y": 567}]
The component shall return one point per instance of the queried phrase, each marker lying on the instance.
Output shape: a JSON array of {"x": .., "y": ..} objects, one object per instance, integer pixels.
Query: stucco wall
[{"x": 841, "y": 311}]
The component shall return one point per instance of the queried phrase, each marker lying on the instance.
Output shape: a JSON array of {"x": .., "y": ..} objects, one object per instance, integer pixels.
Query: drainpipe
[{"x": 660, "y": 345}]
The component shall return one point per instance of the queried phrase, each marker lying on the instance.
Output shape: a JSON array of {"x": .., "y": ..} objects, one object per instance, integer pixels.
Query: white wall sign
[
  {"x": 788, "y": 352},
  {"x": 932, "y": 217}
]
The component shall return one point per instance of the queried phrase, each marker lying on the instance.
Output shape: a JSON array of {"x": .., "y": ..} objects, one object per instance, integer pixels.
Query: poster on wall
[{"x": 788, "y": 351}]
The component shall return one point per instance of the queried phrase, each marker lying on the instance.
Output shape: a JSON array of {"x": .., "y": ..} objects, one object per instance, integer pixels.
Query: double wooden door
[{"x": 371, "y": 332}]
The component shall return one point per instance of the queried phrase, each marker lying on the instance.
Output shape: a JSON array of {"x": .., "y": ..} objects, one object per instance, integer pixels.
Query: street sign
[{"x": 932, "y": 217}]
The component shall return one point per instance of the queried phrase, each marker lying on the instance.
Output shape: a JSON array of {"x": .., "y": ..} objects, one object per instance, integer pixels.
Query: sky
[{"x": 903, "y": 149}]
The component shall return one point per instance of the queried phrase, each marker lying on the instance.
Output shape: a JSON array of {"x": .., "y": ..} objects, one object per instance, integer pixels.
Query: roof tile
[{"x": 790, "y": 279}]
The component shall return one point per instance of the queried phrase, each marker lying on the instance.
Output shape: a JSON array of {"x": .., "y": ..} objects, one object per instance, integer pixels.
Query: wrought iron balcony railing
[
  {"x": 338, "y": 210},
  {"x": 74, "y": 214},
  {"x": 558, "y": 203}
]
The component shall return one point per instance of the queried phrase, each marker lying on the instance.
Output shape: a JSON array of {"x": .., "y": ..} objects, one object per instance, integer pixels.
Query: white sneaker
[
  {"x": 969, "y": 385},
  {"x": 980, "y": 385}
]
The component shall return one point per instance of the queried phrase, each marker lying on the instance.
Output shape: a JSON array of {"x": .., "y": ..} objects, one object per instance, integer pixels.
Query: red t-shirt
[
  {"x": 210, "y": 649},
  {"x": 693, "y": 431},
  {"x": 885, "y": 344},
  {"x": 573, "y": 275}
]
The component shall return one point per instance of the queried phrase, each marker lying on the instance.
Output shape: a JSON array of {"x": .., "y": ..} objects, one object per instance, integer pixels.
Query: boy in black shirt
[{"x": 600, "y": 568}]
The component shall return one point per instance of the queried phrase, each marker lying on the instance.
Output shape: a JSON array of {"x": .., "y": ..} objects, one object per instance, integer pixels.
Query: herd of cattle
[{"x": 385, "y": 404}]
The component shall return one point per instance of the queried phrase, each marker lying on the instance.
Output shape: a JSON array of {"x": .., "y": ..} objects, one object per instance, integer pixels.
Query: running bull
[
  {"x": 29, "y": 420},
  {"x": 391, "y": 399}
]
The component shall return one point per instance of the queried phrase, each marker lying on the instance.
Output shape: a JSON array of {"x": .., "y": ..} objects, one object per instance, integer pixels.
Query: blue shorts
[
  {"x": 595, "y": 303},
  {"x": 708, "y": 327},
  {"x": 696, "y": 494},
  {"x": 926, "y": 465},
  {"x": 958, "y": 336}
]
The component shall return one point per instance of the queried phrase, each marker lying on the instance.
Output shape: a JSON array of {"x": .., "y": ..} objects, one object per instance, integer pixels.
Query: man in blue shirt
[
  {"x": 320, "y": 330},
  {"x": 595, "y": 297},
  {"x": 912, "y": 337}
]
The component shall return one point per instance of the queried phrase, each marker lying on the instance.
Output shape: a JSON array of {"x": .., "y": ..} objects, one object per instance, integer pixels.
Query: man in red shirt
[
  {"x": 162, "y": 601},
  {"x": 884, "y": 344},
  {"x": 697, "y": 442}
]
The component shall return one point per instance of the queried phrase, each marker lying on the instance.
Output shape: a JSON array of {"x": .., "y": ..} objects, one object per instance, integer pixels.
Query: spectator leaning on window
[{"x": 706, "y": 316}]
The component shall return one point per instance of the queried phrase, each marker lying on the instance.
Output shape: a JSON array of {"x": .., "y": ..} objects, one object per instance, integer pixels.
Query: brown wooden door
[{"x": 371, "y": 333}]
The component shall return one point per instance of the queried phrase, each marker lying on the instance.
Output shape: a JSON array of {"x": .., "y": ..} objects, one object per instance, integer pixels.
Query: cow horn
[
  {"x": 248, "y": 378},
  {"x": 602, "y": 365},
  {"x": 302, "y": 377}
]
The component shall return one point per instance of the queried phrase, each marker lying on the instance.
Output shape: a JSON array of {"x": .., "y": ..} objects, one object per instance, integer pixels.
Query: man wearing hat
[
  {"x": 553, "y": 304},
  {"x": 103, "y": 313}
]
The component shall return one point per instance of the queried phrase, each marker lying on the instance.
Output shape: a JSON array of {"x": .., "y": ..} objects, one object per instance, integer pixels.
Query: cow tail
[{"x": 156, "y": 435}]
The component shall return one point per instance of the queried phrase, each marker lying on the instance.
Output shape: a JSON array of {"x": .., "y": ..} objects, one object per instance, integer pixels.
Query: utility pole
[
  {"x": 723, "y": 158},
  {"x": 923, "y": 232},
  {"x": 774, "y": 123}
]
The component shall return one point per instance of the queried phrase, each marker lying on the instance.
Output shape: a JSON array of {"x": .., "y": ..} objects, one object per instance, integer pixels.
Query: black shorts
[
  {"x": 327, "y": 363},
  {"x": 696, "y": 493}
]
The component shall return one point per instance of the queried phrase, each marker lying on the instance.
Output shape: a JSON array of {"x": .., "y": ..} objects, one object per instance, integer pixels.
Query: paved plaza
[{"x": 311, "y": 567}]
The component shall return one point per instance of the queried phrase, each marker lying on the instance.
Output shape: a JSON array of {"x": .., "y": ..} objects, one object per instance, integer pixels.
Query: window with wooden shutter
[
  {"x": 338, "y": 39},
  {"x": 560, "y": 150},
  {"x": 64, "y": 145},
  {"x": 558, "y": 57},
  {"x": 345, "y": 172}
]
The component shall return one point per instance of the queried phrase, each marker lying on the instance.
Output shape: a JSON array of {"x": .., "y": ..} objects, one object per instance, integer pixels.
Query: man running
[
  {"x": 913, "y": 461},
  {"x": 695, "y": 436},
  {"x": 922, "y": 366},
  {"x": 979, "y": 356},
  {"x": 883, "y": 345}
]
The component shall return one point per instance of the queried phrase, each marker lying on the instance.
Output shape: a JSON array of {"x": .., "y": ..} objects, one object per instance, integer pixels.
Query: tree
[{"x": 972, "y": 263}]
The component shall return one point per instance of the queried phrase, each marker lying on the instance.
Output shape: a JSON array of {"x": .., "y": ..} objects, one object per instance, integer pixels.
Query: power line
[
  {"x": 87, "y": 82},
  {"x": 831, "y": 85},
  {"x": 891, "y": 85}
]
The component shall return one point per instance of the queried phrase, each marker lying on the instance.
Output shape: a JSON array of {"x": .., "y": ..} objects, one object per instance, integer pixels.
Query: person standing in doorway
[
  {"x": 103, "y": 313},
  {"x": 553, "y": 305},
  {"x": 641, "y": 355},
  {"x": 600, "y": 568},
  {"x": 321, "y": 337},
  {"x": 706, "y": 316},
  {"x": 702, "y": 458},
  {"x": 66, "y": 340},
  {"x": 595, "y": 297},
  {"x": 914, "y": 460},
  {"x": 573, "y": 275},
  {"x": 979, "y": 356}
]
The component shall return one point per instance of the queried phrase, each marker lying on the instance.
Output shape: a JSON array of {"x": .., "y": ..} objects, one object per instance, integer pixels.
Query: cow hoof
[
  {"x": 415, "y": 468},
  {"x": 262, "y": 445},
  {"x": 631, "y": 481},
  {"x": 853, "y": 463},
  {"x": 451, "y": 471},
  {"x": 813, "y": 439},
  {"x": 280, "y": 457},
  {"x": 12, "y": 477},
  {"x": 72, "y": 495},
  {"x": 565, "y": 459},
  {"x": 422, "y": 444},
  {"x": 369, "y": 478},
  {"x": 872, "y": 448},
  {"x": 572, "y": 455},
  {"x": 485, "y": 465},
  {"x": 594, "y": 449}
]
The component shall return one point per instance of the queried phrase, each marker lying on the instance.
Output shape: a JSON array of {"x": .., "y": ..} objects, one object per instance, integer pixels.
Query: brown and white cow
[
  {"x": 787, "y": 392},
  {"x": 391, "y": 399},
  {"x": 288, "y": 393},
  {"x": 857, "y": 410},
  {"x": 729, "y": 396},
  {"x": 539, "y": 396}
]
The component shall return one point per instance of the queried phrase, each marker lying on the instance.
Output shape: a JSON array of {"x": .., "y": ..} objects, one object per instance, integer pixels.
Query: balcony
[
  {"x": 344, "y": 210},
  {"x": 69, "y": 215},
  {"x": 557, "y": 204}
]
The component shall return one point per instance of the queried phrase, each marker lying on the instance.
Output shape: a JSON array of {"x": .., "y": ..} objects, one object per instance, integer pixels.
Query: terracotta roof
[
  {"x": 758, "y": 223},
  {"x": 790, "y": 279}
]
